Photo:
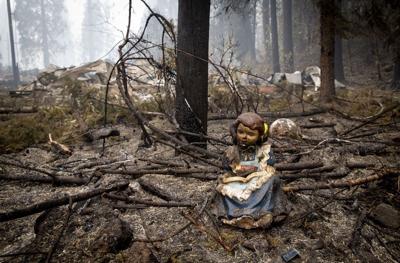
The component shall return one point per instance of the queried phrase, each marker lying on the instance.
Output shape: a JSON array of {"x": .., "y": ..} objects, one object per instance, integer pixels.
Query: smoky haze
[{"x": 241, "y": 33}]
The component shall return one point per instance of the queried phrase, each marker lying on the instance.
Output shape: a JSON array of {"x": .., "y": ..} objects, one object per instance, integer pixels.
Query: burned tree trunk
[
  {"x": 396, "y": 73},
  {"x": 192, "y": 67},
  {"x": 266, "y": 29},
  {"x": 327, "y": 11},
  {"x": 339, "y": 72},
  {"x": 274, "y": 36},
  {"x": 287, "y": 36}
]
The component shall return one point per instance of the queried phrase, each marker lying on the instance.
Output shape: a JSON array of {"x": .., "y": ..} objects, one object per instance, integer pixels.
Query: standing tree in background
[
  {"x": 274, "y": 37},
  {"x": 287, "y": 36},
  {"x": 95, "y": 30},
  {"x": 240, "y": 23},
  {"x": 192, "y": 67},
  {"x": 384, "y": 17},
  {"x": 40, "y": 23},
  {"x": 327, "y": 30},
  {"x": 339, "y": 71},
  {"x": 242, "y": 18},
  {"x": 266, "y": 29}
]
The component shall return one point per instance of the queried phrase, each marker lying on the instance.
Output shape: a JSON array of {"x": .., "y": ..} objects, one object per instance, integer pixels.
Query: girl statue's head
[{"x": 249, "y": 129}]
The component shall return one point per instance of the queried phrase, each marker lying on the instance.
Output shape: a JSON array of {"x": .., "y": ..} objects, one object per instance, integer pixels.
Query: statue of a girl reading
[{"x": 249, "y": 193}]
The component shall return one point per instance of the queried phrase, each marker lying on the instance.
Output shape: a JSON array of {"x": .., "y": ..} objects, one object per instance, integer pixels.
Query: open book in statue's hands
[
  {"x": 246, "y": 175},
  {"x": 244, "y": 170}
]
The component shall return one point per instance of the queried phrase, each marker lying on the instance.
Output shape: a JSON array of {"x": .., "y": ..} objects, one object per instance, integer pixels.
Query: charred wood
[
  {"x": 148, "y": 187},
  {"x": 41, "y": 206},
  {"x": 341, "y": 184},
  {"x": 170, "y": 171},
  {"x": 315, "y": 175},
  {"x": 148, "y": 202},
  {"x": 359, "y": 165},
  {"x": 17, "y": 111},
  {"x": 102, "y": 133},
  {"x": 58, "y": 180},
  {"x": 297, "y": 166},
  {"x": 273, "y": 114},
  {"x": 376, "y": 117},
  {"x": 317, "y": 125}
]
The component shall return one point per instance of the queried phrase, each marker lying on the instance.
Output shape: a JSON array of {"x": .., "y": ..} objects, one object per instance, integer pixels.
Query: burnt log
[
  {"x": 99, "y": 134},
  {"x": 41, "y": 206},
  {"x": 148, "y": 202},
  {"x": 297, "y": 166},
  {"x": 58, "y": 180}
]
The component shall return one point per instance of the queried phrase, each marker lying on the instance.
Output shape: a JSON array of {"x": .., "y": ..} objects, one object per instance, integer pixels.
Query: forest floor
[{"x": 347, "y": 224}]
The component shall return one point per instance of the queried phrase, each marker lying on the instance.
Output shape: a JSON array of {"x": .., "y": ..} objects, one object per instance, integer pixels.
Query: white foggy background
[
  {"x": 112, "y": 26},
  {"x": 111, "y": 30}
]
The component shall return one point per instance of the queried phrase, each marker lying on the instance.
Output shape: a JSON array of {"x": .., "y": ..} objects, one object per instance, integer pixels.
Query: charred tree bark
[
  {"x": 192, "y": 67},
  {"x": 339, "y": 72},
  {"x": 396, "y": 73},
  {"x": 266, "y": 29},
  {"x": 327, "y": 29},
  {"x": 274, "y": 36},
  {"x": 287, "y": 36}
]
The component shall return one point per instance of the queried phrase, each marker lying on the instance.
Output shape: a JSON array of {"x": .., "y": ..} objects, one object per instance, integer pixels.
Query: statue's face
[{"x": 246, "y": 135}]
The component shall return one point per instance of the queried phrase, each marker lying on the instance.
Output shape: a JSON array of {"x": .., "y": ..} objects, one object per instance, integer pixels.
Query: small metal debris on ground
[{"x": 291, "y": 254}]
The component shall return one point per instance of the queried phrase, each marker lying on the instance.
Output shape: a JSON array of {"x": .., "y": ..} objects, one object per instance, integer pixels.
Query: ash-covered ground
[{"x": 348, "y": 224}]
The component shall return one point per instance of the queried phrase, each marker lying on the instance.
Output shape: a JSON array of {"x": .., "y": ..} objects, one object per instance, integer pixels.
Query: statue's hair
[{"x": 251, "y": 120}]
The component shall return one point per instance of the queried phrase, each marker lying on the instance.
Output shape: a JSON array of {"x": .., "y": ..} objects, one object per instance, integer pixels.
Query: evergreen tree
[
  {"x": 96, "y": 30},
  {"x": 287, "y": 36},
  {"x": 40, "y": 23}
]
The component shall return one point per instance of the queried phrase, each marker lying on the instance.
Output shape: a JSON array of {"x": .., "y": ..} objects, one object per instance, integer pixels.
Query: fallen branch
[
  {"x": 216, "y": 236},
  {"x": 97, "y": 162},
  {"x": 179, "y": 149},
  {"x": 378, "y": 116},
  {"x": 58, "y": 180},
  {"x": 341, "y": 184},
  {"x": 29, "y": 166},
  {"x": 202, "y": 136},
  {"x": 317, "y": 125},
  {"x": 207, "y": 201},
  {"x": 297, "y": 166},
  {"x": 148, "y": 187},
  {"x": 167, "y": 163},
  {"x": 272, "y": 114},
  {"x": 356, "y": 231},
  {"x": 59, "y": 147},
  {"x": 365, "y": 149},
  {"x": 315, "y": 175},
  {"x": 331, "y": 199},
  {"x": 99, "y": 134},
  {"x": 327, "y": 168},
  {"x": 22, "y": 254},
  {"x": 57, "y": 240},
  {"x": 41, "y": 206},
  {"x": 148, "y": 202},
  {"x": 17, "y": 111},
  {"x": 359, "y": 165},
  {"x": 170, "y": 171}
]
